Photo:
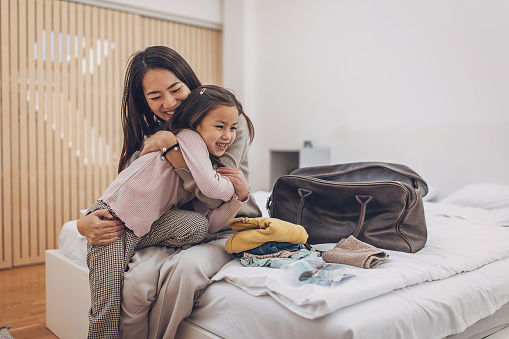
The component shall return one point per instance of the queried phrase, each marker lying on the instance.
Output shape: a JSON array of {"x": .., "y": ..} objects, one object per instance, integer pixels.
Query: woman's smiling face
[{"x": 164, "y": 92}]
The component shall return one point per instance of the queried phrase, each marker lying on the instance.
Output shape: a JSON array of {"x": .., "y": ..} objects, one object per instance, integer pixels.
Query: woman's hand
[
  {"x": 238, "y": 180},
  {"x": 99, "y": 231}
]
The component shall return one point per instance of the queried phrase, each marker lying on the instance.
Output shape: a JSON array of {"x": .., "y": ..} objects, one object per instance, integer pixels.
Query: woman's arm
[
  {"x": 238, "y": 180},
  {"x": 218, "y": 218}
]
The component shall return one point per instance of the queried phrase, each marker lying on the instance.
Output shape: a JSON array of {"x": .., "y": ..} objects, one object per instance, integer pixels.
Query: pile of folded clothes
[
  {"x": 272, "y": 242},
  {"x": 267, "y": 242}
]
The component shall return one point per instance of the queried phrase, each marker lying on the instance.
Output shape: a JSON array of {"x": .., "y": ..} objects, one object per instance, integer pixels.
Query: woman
[{"x": 157, "y": 80}]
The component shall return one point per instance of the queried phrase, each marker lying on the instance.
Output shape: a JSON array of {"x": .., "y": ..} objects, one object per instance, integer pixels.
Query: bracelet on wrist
[
  {"x": 166, "y": 150},
  {"x": 243, "y": 200}
]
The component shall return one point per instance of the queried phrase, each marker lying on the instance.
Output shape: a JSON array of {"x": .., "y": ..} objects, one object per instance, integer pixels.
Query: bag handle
[
  {"x": 304, "y": 193},
  {"x": 364, "y": 200}
]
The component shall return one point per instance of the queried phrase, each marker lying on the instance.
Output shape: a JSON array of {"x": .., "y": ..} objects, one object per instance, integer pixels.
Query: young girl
[{"x": 205, "y": 125}]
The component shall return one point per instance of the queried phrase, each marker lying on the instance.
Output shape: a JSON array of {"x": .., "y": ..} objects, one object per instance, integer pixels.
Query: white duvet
[{"x": 460, "y": 239}]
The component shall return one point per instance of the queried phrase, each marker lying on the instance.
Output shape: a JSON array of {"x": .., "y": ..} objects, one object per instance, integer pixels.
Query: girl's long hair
[{"x": 138, "y": 120}]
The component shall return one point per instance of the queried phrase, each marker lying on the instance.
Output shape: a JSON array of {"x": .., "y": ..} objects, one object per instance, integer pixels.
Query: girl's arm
[
  {"x": 160, "y": 140},
  {"x": 196, "y": 156},
  {"x": 232, "y": 158}
]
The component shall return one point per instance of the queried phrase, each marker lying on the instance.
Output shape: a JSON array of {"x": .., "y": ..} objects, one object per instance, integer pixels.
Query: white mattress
[{"x": 468, "y": 287}]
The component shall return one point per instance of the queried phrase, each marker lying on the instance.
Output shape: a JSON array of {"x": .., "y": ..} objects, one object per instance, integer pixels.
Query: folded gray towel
[{"x": 353, "y": 252}]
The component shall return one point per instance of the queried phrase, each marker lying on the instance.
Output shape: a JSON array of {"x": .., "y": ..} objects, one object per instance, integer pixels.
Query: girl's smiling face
[
  {"x": 218, "y": 128},
  {"x": 164, "y": 92}
]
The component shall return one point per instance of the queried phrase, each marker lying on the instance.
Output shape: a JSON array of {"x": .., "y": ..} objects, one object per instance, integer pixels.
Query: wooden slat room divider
[{"x": 62, "y": 67}]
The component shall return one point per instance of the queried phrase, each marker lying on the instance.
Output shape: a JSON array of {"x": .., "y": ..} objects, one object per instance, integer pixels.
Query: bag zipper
[
  {"x": 327, "y": 182},
  {"x": 415, "y": 178}
]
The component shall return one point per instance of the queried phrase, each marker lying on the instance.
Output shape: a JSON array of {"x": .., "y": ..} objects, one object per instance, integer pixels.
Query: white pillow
[{"x": 482, "y": 195}]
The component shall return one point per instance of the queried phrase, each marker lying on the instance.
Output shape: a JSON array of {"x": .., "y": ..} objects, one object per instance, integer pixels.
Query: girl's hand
[
  {"x": 99, "y": 231},
  {"x": 158, "y": 141},
  {"x": 164, "y": 139},
  {"x": 238, "y": 180}
]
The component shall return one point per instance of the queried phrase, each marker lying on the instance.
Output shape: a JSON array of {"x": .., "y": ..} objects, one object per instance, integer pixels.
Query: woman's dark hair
[
  {"x": 199, "y": 103},
  {"x": 138, "y": 120}
]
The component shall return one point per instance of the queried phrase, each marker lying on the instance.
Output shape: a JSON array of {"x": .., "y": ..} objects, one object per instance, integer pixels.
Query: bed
[{"x": 457, "y": 286}]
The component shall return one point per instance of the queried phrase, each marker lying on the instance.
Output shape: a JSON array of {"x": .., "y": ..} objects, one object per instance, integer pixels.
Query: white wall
[
  {"x": 308, "y": 70},
  {"x": 314, "y": 68}
]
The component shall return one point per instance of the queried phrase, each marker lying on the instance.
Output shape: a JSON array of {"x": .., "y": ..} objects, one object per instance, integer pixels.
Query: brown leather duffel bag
[{"x": 378, "y": 203}]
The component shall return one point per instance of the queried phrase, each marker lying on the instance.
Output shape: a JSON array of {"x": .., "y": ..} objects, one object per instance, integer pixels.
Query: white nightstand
[{"x": 282, "y": 162}]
